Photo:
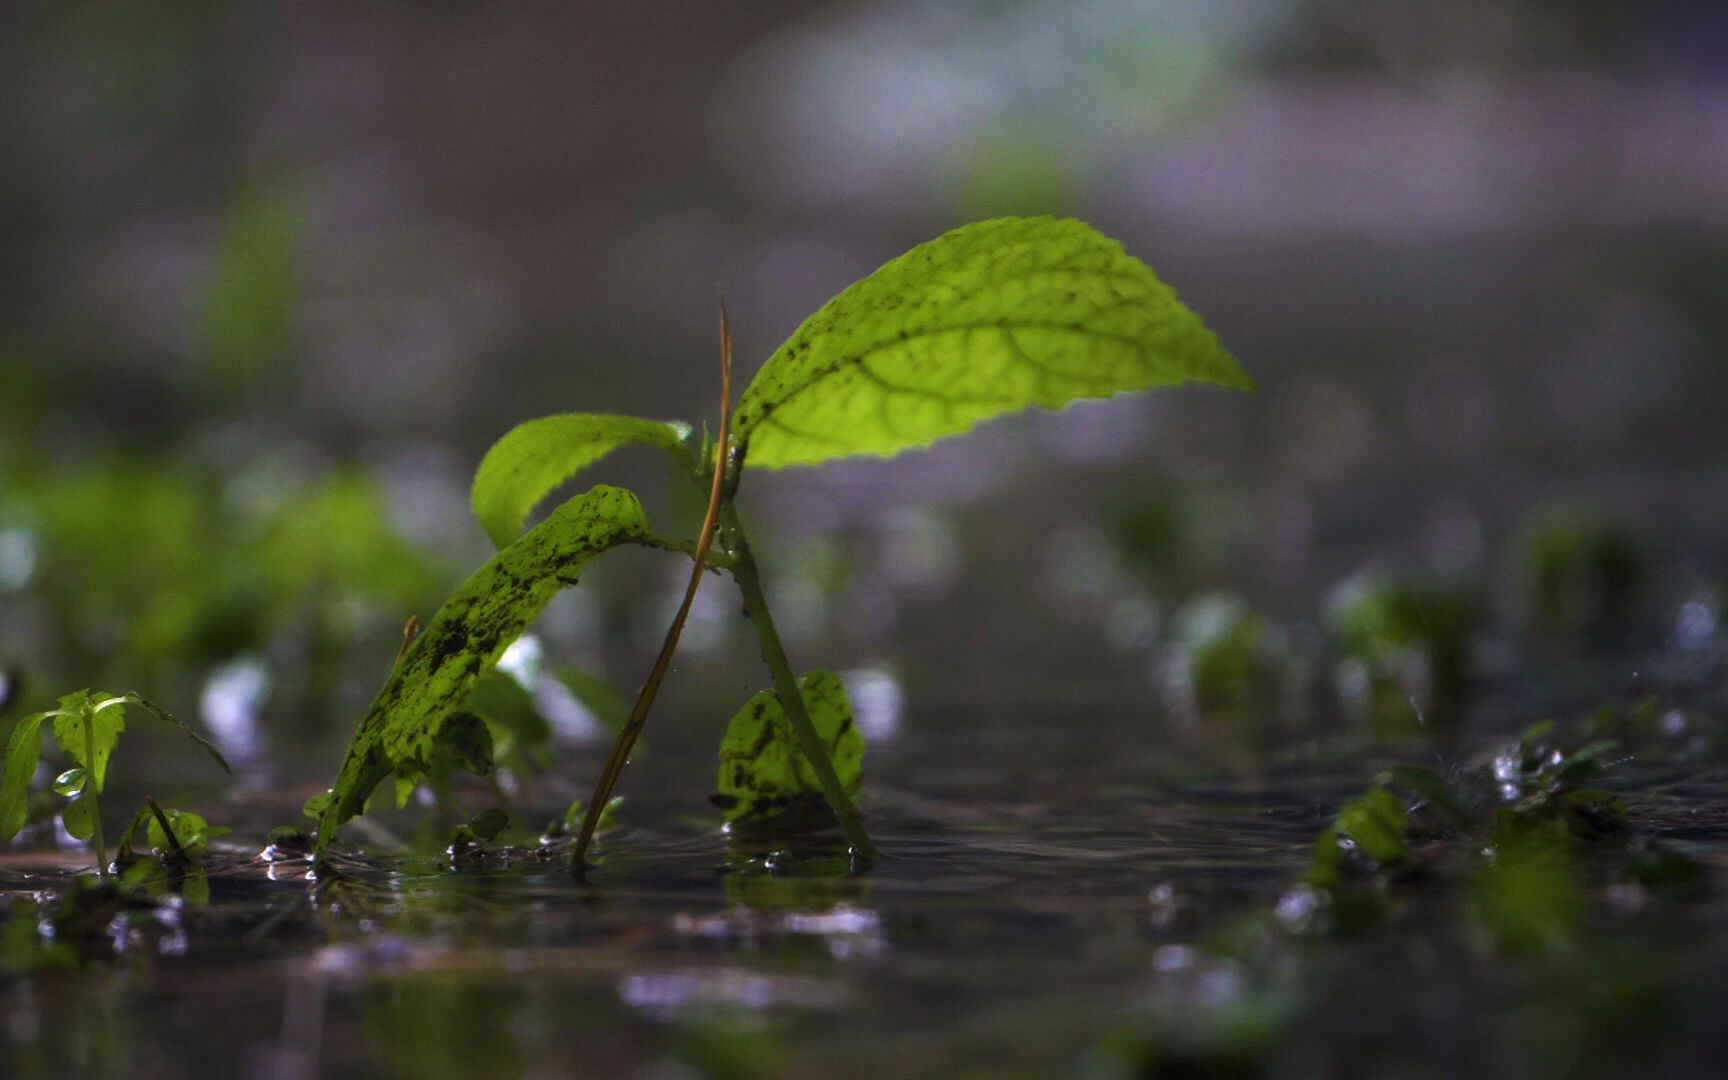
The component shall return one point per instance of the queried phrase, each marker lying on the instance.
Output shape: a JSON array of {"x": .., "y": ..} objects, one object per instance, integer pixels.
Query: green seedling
[
  {"x": 989, "y": 319},
  {"x": 87, "y": 726},
  {"x": 1578, "y": 571},
  {"x": 1406, "y": 650}
]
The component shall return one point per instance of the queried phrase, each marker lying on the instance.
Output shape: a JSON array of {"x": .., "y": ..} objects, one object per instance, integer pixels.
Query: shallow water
[{"x": 1049, "y": 903}]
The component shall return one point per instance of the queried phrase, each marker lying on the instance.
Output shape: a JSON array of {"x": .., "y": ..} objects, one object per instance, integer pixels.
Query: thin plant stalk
[
  {"x": 749, "y": 580},
  {"x": 90, "y": 786},
  {"x": 638, "y": 718}
]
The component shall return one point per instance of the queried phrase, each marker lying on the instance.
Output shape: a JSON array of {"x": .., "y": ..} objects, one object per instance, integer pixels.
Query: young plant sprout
[
  {"x": 989, "y": 319},
  {"x": 87, "y": 725}
]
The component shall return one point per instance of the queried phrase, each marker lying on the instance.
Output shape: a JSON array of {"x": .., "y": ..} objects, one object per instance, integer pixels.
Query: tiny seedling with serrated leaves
[
  {"x": 989, "y": 319},
  {"x": 87, "y": 725}
]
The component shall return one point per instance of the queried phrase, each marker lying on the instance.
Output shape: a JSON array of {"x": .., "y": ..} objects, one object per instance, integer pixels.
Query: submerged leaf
[
  {"x": 533, "y": 458},
  {"x": 23, "y": 751},
  {"x": 762, "y": 768},
  {"x": 990, "y": 318},
  {"x": 468, "y": 634}
]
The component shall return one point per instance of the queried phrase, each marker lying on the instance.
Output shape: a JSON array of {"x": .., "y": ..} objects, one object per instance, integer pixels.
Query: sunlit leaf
[
  {"x": 990, "y": 318},
  {"x": 534, "y": 458},
  {"x": 87, "y": 726},
  {"x": 23, "y": 751},
  {"x": 467, "y": 636},
  {"x": 762, "y": 768}
]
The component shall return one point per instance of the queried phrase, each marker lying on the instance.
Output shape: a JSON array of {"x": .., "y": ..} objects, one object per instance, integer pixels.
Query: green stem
[
  {"x": 744, "y": 571},
  {"x": 90, "y": 786}
]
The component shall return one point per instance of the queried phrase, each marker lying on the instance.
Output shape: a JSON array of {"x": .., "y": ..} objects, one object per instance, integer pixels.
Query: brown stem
[{"x": 638, "y": 718}]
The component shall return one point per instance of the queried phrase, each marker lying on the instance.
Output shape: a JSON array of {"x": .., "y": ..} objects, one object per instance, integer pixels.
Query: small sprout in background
[
  {"x": 563, "y": 828},
  {"x": 467, "y": 841},
  {"x": 1406, "y": 648},
  {"x": 1228, "y": 670},
  {"x": 1578, "y": 570},
  {"x": 1171, "y": 536}
]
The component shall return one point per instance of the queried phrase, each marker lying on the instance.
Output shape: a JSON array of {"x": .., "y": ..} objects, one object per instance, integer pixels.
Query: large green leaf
[
  {"x": 23, "y": 751},
  {"x": 466, "y": 637},
  {"x": 533, "y": 458},
  {"x": 763, "y": 770},
  {"x": 988, "y": 319}
]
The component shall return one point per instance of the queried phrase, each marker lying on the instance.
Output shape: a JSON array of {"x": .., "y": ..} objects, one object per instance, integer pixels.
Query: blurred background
[{"x": 276, "y": 275}]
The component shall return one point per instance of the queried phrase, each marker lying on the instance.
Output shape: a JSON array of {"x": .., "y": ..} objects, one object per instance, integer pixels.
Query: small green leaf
[
  {"x": 468, "y": 741},
  {"x": 1375, "y": 822},
  {"x": 134, "y": 698},
  {"x": 489, "y": 824},
  {"x": 23, "y": 751},
  {"x": 988, "y": 319},
  {"x": 79, "y": 817},
  {"x": 608, "y": 815},
  {"x": 466, "y": 637},
  {"x": 190, "y": 829},
  {"x": 318, "y": 805},
  {"x": 762, "y": 767},
  {"x": 87, "y": 726},
  {"x": 533, "y": 458}
]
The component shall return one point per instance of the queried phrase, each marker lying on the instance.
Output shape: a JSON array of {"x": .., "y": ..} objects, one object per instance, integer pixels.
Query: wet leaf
[
  {"x": 87, "y": 726},
  {"x": 23, "y": 751},
  {"x": 991, "y": 318},
  {"x": 534, "y": 458},
  {"x": 79, "y": 817},
  {"x": 1375, "y": 822},
  {"x": 190, "y": 829},
  {"x": 762, "y": 768},
  {"x": 70, "y": 782},
  {"x": 466, "y": 637}
]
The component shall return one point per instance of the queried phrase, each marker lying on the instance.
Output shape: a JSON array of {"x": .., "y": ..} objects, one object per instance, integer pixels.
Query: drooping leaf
[
  {"x": 87, "y": 726},
  {"x": 762, "y": 768},
  {"x": 990, "y": 318},
  {"x": 466, "y": 637},
  {"x": 533, "y": 458},
  {"x": 134, "y": 698},
  {"x": 23, "y": 751}
]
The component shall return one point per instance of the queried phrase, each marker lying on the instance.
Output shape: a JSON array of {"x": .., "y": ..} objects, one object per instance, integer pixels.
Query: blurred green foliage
[{"x": 150, "y": 571}]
